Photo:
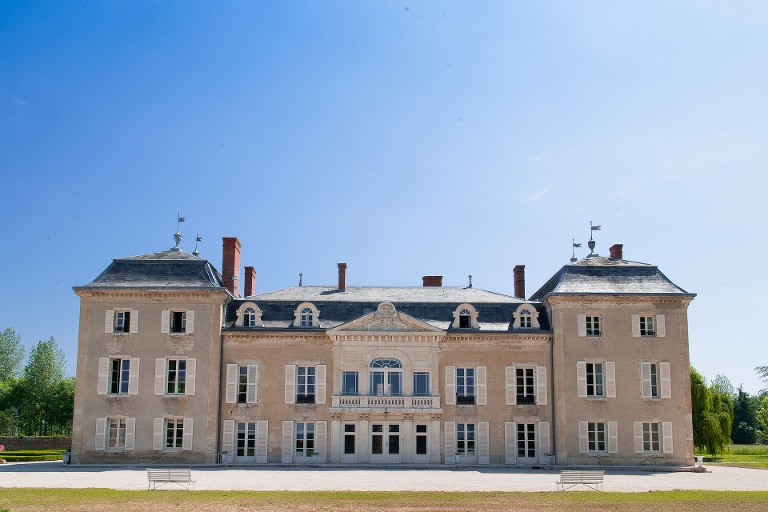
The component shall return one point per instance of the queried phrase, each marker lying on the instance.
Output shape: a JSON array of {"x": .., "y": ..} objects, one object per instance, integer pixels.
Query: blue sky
[{"x": 405, "y": 138}]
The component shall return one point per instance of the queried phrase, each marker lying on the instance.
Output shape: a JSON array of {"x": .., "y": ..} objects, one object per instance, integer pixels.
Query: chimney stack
[
  {"x": 432, "y": 281},
  {"x": 230, "y": 265},
  {"x": 250, "y": 281},
  {"x": 617, "y": 251},
  {"x": 519, "y": 271},
  {"x": 342, "y": 277}
]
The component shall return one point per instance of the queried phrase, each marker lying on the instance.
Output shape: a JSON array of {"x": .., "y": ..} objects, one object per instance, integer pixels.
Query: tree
[
  {"x": 11, "y": 355},
  {"x": 762, "y": 371},
  {"x": 712, "y": 415},
  {"x": 723, "y": 384},
  {"x": 44, "y": 370},
  {"x": 745, "y": 418},
  {"x": 762, "y": 420}
]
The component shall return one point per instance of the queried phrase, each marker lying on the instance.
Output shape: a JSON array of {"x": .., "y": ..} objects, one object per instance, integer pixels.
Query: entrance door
[
  {"x": 385, "y": 442},
  {"x": 245, "y": 443}
]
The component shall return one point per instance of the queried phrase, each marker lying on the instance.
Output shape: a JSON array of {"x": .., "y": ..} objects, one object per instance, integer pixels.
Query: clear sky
[{"x": 406, "y": 138}]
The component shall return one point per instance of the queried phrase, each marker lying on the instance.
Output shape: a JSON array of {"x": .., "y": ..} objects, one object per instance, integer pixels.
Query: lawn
[
  {"x": 23, "y": 500},
  {"x": 742, "y": 455}
]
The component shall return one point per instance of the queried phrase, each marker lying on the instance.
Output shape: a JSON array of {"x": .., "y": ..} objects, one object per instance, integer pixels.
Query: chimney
[
  {"x": 432, "y": 281},
  {"x": 230, "y": 265},
  {"x": 617, "y": 251},
  {"x": 342, "y": 277},
  {"x": 250, "y": 281},
  {"x": 519, "y": 271}
]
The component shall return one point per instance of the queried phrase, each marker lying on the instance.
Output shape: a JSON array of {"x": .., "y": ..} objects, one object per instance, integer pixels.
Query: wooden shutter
[
  {"x": 450, "y": 442},
  {"x": 666, "y": 429},
  {"x": 290, "y": 387},
  {"x": 581, "y": 378},
  {"x": 638, "y": 426},
  {"x": 541, "y": 385},
  {"x": 190, "y": 326},
  {"x": 481, "y": 390},
  {"x": 582, "y": 325},
  {"x": 511, "y": 385},
  {"x": 160, "y": 376},
  {"x": 134, "y": 321},
  {"x": 101, "y": 434},
  {"x": 645, "y": 380},
  {"x": 186, "y": 438},
  {"x": 321, "y": 440},
  {"x": 109, "y": 321},
  {"x": 510, "y": 442},
  {"x": 665, "y": 379},
  {"x": 583, "y": 437},
  {"x": 165, "y": 321},
  {"x": 133, "y": 376},
  {"x": 189, "y": 388},
  {"x": 157, "y": 437},
  {"x": 130, "y": 434},
  {"x": 483, "y": 443},
  {"x": 610, "y": 379},
  {"x": 262, "y": 438},
  {"x": 613, "y": 437},
  {"x": 544, "y": 444},
  {"x": 102, "y": 388},
  {"x": 450, "y": 386},
  {"x": 228, "y": 437},
  {"x": 253, "y": 380},
  {"x": 636, "y": 326},
  {"x": 233, "y": 376},
  {"x": 287, "y": 447},
  {"x": 661, "y": 326},
  {"x": 320, "y": 371}
]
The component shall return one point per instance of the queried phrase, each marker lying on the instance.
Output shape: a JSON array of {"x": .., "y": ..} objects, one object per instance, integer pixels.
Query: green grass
[
  {"x": 31, "y": 455},
  {"x": 742, "y": 455}
]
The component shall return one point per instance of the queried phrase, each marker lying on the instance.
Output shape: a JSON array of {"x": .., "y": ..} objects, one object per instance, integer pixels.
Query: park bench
[
  {"x": 588, "y": 478},
  {"x": 181, "y": 477}
]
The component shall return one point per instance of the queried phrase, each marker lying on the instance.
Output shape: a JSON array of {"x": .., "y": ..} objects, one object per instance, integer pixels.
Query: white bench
[
  {"x": 592, "y": 479},
  {"x": 181, "y": 477}
]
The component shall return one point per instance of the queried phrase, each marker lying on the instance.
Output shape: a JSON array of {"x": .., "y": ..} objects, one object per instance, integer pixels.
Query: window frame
[
  {"x": 306, "y": 380},
  {"x": 595, "y": 386},
  {"x": 466, "y": 439},
  {"x": 176, "y": 378},
  {"x": 466, "y": 385},
  {"x": 597, "y": 435},
  {"x": 173, "y": 434},
  {"x": 118, "y": 425},
  {"x": 120, "y": 377},
  {"x": 593, "y": 325},
  {"x": 648, "y": 437},
  {"x": 525, "y": 398},
  {"x": 647, "y": 326},
  {"x": 304, "y": 446},
  {"x": 424, "y": 384},
  {"x": 354, "y": 377}
]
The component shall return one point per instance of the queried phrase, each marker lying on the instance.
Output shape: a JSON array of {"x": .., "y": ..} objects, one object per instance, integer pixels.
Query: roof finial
[
  {"x": 470, "y": 281},
  {"x": 198, "y": 239},
  {"x": 573, "y": 250},
  {"x": 177, "y": 235},
  {"x": 591, "y": 242},
  {"x": 301, "y": 278}
]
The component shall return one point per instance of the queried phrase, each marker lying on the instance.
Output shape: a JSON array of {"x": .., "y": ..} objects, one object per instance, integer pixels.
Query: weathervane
[
  {"x": 177, "y": 236},
  {"x": 198, "y": 239},
  {"x": 591, "y": 242},
  {"x": 470, "y": 281},
  {"x": 301, "y": 278},
  {"x": 573, "y": 250}
]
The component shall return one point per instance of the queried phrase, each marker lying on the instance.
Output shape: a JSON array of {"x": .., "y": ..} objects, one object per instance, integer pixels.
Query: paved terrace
[{"x": 272, "y": 478}]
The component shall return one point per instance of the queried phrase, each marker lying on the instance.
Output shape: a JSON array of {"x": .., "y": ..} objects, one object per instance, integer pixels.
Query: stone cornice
[
  {"x": 586, "y": 299},
  {"x": 500, "y": 339},
  {"x": 153, "y": 295},
  {"x": 255, "y": 336}
]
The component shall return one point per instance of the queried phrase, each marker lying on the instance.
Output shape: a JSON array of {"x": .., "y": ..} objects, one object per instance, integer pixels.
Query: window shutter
[
  {"x": 232, "y": 380},
  {"x": 165, "y": 321},
  {"x": 186, "y": 438},
  {"x": 320, "y": 384},
  {"x": 610, "y": 379},
  {"x": 450, "y": 385},
  {"x": 636, "y": 326},
  {"x": 287, "y": 447},
  {"x": 157, "y": 437},
  {"x": 666, "y": 429},
  {"x": 101, "y": 433},
  {"x": 645, "y": 379},
  {"x": 290, "y": 389},
  {"x": 510, "y": 442},
  {"x": 262, "y": 437},
  {"x": 130, "y": 434},
  {"x": 583, "y": 437},
  {"x": 483, "y": 443},
  {"x": 253, "y": 381},
  {"x": 133, "y": 377},
  {"x": 665, "y": 380},
  {"x": 189, "y": 388},
  {"x": 511, "y": 381},
  {"x": 582, "y": 325},
  {"x": 661, "y": 326},
  {"x": 134, "y": 321},
  {"x": 102, "y": 387},
  {"x": 228, "y": 438},
  {"x": 321, "y": 430},
  {"x": 544, "y": 445},
  {"x": 190, "y": 327},
  {"x": 109, "y": 321},
  {"x": 638, "y": 437},
  {"x": 160, "y": 376},
  {"x": 541, "y": 385},
  {"x": 481, "y": 390},
  {"x": 581, "y": 378},
  {"x": 613, "y": 437},
  {"x": 450, "y": 442}
]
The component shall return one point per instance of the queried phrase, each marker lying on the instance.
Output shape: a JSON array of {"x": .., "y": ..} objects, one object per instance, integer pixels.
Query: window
[
  {"x": 349, "y": 383},
  {"x": 525, "y": 386},
  {"x": 651, "y": 437},
  {"x": 178, "y": 321},
  {"x": 176, "y": 383},
  {"x": 171, "y": 433},
  {"x": 119, "y": 376},
  {"x": 305, "y": 439},
  {"x": 242, "y": 384},
  {"x": 306, "y": 317},
  {"x": 305, "y": 385},
  {"x": 596, "y": 436},
  {"x": 421, "y": 384},
  {"x": 526, "y": 440},
  {"x": 649, "y": 326},
  {"x": 246, "y": 439},
  {"x": 595, "y": 379},
  {"x": 646, "y": 326},
  {"x": 655, "y": 380},
  {"x": 465, "y": 439},
  {"x": 465, "y": 319},
  {"x": 386, "y": 377},
  {"x": 349, "y": 439},
  {"x": 174, "y": 433},
  {"x": 249, "y": 317},
  {"x": 116, "y": 434},
  {"x": 593, "y": 325},
  {"x": 421, "y": 439},
  {"x": 525, "y": 319},
  {"x": 122, "y": 321},
  {"x": 465, "y": 385}
]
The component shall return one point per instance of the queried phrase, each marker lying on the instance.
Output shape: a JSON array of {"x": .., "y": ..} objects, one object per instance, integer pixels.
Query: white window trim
[
  {"x": 582, "y": 325},
  {"x": 161, "y": 376},
  {"x": 609, "y": 379},
  {"x": 315, "y": 316},
  {"x": 481, "y": 389},
  {"x": 104, "y": 376},
  {"x": 240, "y": 322},
  {"x": 291, "y": 385},
  {"x": 519, "y": 313},
  {"x": 665, "y": 438},
  {"x": 159, "y": 432},
  {"x": 660, "y": 326},
  {"x": 472, "y": 316},
  {"x": 233, "y": 383},
  {"x": 539, "y": 383}
]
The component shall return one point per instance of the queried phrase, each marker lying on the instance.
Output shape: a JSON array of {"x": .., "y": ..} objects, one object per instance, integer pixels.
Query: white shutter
[
  {"x": 510, "y": 442},
  {"x": 583, "y": 437},
  {"x": 450, "y": 386},
  {"x": 253, "y": 381},
  {"x": 541, "y": 385},
  {"x": 189, "y": 388},
  {"x": 638, "y": 425},
  {"x": 613, "y": 437},
  {"x": 582, "y": 325},
  {"x": 109, "y": 321},
  {"x": 483, "y": 443},
  {"x": 134, "y": 321},
  {"x": 160, "y": 376},
  {"x": 544, "y": 444},
  {"x": 581, "y": 378},
  {"x": 320, "y": 371},
  {"x": 186, "y": 438},
  {"x": 666, "y": 429},
  {"x": 610, "y": 379},
  {"x": 233, "y": 375},
  {"x": 450, "y": 442},
  {"x": 165, "y": 321},
  {"x": 661, "y": 326},
  {"x": 636, "y": 326},
  {"x": 511, "y": 385},
  {"x": 480, "y": 387},
  {"x": 133, "y": 376},
  {"x": 287, "y": 447},
  {"x": 130, "y": 434},
  {"x": 228, "y": 438},
  {"x": 321, "y": 440},
  {"x": 262, "y": 437},
  {"x": 101, "y": 433},
  {"x": 102, "y": 388},
  {"x": 645, "y": 380},
  {"x": 157, "y": 437},
  {"x": 290, "y": 388},
  {"x": 665, "y": 380},
  {"x": 190, "y": 326}
]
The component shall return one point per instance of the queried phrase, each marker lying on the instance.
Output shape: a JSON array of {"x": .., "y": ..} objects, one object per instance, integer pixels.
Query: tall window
[
  {"x": 595, "y": 380},
  {"x": 421, "y": 383},
  {"x": 349, "y": 383},
  {"x": 178, "y": 321},
  {"x": 651, "y": 437},
  {"x": 305, "y": 439},
  {"x": 465, "y": 439},
  {"x": 176, "y": 383},
  {"x": 593, "y": 325},
  {"x": 119, "y": 375},
  {"x": 386, "y": 377},
  {"x": 305, "y": 384},
  {"x": 306, "y": 317},
  {"x": 246, "y": 439},
  {"x": 525, "y": 386},
  {"x": 349, "y": 439},
  {"x": 174, "y": 432},
  {"x": 526, "y": 440},
  {"x": 116, "y": 438},
  {"x": 654, "y": 379},
  {"x": 596, "y": 436},
  {"x": 242, "y": 385},
  {"x": 421, "y": 439},
  {"x": 249, "y": 318},
  {"x": 526, "y": 319},
  {"x": 647, "y": 326},
  {"x": 465, "y": 385},
  {"x": 465, "y": 319},
  {"x": 122, "y": 321}
]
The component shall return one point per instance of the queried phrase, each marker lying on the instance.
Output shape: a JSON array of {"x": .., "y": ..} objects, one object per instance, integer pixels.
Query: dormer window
[
  {"x": 525, "y": 317},
  {"x": 465, "y": 317},
  {"x": 249, "y": 318},
  {"x": 249, "y": 315},
  {"x": 306, "y": 315}
]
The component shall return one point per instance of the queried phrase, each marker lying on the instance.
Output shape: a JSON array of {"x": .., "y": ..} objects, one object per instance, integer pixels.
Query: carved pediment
[{"x": 386, "y": 319}]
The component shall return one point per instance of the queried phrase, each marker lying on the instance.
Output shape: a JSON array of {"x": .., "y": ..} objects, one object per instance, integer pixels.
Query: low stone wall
[{"x": 36, "y": 443}]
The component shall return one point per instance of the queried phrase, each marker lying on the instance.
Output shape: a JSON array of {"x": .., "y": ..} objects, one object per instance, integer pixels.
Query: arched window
[
  {"x": 465, "y": 319},
  {"x": 249, "y": 318},
  {"x": 525, "y": 317},
  {"x": 306, "y": 317},
  {"x": 249, "y": 315},
  {"x": 386, "y": 377}
]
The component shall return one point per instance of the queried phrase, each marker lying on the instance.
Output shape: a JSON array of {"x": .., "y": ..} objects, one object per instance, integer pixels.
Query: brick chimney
[
  {"x": 250, "y": 281},
  {"x": 617, "y": 251},
  {"x": 435, "y": 281},
  {"x": 519, "y": 271},
  {"x": 230, "y": 265},
  {"x": 342, "y": 277}
]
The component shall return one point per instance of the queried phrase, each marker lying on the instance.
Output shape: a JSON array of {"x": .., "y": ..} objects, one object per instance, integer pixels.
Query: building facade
[{"x": 175, "y": 366}]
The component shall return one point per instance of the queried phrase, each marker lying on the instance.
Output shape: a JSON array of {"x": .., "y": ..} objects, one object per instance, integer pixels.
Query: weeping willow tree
[{"x": 712, "y": 416}]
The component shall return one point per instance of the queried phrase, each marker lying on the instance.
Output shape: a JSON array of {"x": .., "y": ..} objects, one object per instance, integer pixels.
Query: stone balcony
[{"x": 377, "y": 402}]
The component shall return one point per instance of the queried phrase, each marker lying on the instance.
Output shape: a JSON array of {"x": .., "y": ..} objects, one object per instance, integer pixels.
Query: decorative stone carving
[
  {"x": 115, "y": 344},
  {"x": 180, "y": 345}
]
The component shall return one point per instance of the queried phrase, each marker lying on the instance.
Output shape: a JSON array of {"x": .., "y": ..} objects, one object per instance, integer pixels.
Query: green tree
[
  {"x": 723, "y": 384},
  {"x": 762, "y": 420},
  {"x": 11, "y": 355},
  {"x": 762, "y": 371},
  {"x": 712, "y": 415},
  {"x": 44, "y": 370},
  {"x": 745, "y": 418}
]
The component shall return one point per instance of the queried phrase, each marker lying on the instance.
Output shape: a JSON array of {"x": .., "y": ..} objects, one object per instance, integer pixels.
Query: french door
[{"x": 385, "y": 442}]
